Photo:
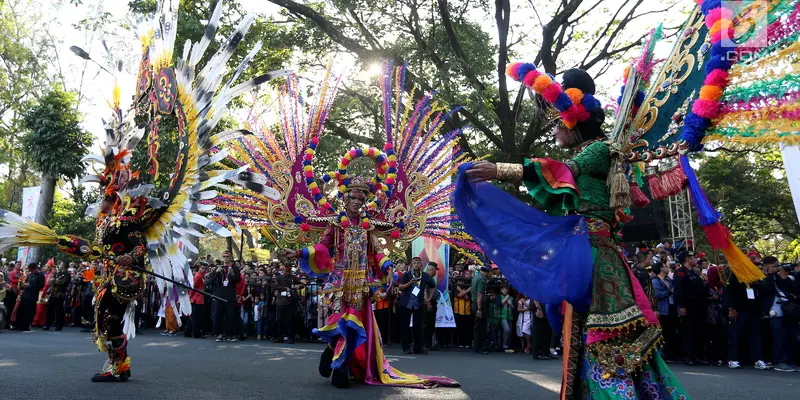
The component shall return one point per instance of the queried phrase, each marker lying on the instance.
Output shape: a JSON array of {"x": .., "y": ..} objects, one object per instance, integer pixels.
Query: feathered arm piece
[{"x": 16, "y": 231}]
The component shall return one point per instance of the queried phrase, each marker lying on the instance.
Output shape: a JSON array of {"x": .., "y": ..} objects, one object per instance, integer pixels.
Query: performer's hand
[
  {"x": 482, "y": 171},
  {"x": 287, "y": 253},
  {"x": 539, "y": 313},
  {"x": 732, "y": 314},
  {"x": 429, "y": 306},
  {"x": 479, "y": 314},
  {"x": 124, "y": 260},
  {"x": 682, "y": 311},
  {"x": 389, "y": 279}
]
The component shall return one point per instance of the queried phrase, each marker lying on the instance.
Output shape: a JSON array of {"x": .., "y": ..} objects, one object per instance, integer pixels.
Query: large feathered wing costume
[
  {"x": 410, "y": 190},
  {"x": 197, "y": 100}
]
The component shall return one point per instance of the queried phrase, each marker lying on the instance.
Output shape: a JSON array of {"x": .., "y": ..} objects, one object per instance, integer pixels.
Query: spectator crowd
[{"x": 707, "y": 316}]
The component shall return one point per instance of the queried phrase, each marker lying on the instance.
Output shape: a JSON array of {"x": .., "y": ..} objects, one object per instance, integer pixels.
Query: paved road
[{"x": 57, "y": 365}]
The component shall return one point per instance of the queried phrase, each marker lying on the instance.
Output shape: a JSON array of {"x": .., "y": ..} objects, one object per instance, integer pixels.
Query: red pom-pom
[
  {"x": 392, "y": 164},
  {"x": 338, "y": 176},
  {"x": 388, "y": 146},
  {"x": 308, "y": 157},
  {"x": 353, "y": 153},
  {"x": 365, "y": 225},
  {"x": 315, "y": 140},
  {"x": 578, "y": 112},
  {"x": 717, "y": 77},
  {"x": 551, "y": 93},
  {"x": 305, "y": 227},
  {"x": 345, "y": 224},
  {"x": 315, "y": 191},
  {"x": 309, "y": 174},
  {"x": 705, "y": 108},
  {"x": 345, "y": 162},
  {"x": 395, "y": 234},
  {"x": 530, "y": 78},
  {"x": 390, "y": 181}
]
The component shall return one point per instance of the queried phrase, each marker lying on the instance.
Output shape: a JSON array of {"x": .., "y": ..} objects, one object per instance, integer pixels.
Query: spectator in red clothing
[
  {"x": 754, "y": 255},
  {"x": 241, "y": 287},
  {"x": 198, "y": 301}
]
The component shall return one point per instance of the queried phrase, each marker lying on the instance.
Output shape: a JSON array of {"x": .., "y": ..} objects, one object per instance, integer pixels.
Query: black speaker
[{"x": 649, "y": 224}]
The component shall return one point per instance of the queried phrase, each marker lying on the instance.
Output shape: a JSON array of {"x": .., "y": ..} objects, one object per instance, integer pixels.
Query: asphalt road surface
[{"x": 58, "y": 365}]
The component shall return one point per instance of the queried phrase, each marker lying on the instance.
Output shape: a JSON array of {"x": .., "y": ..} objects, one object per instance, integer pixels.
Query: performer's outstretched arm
[{"x": 315, "y": 260}]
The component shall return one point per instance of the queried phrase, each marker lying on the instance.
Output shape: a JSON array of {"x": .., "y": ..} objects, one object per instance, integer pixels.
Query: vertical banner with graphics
[
  {"x": 433, "y": 250},
  {"x": 30, "y": 201},
  {"x": 791, "y": 163}
]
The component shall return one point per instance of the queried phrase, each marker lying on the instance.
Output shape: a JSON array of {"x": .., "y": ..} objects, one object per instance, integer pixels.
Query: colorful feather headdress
[{"x": 408, "y": 195}]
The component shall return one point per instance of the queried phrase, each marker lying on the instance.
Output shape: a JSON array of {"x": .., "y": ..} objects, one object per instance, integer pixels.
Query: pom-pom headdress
[{"x": 573, "y": 98}]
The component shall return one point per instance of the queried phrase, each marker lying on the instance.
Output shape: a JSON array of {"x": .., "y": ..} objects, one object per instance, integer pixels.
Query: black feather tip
[{"x": 80, "y": 52}]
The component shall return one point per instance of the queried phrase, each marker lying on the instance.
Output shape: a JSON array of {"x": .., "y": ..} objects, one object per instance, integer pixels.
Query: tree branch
[{"x": 444, "y": 11}]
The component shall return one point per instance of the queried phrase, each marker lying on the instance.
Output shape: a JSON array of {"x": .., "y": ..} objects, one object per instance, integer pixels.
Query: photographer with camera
[{"x": 780, "y": 302}]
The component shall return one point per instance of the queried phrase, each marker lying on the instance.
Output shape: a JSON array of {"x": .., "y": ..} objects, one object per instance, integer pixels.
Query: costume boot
[
  {"x": 341, "y": 379},
  {"x": 325, "y": 362}
]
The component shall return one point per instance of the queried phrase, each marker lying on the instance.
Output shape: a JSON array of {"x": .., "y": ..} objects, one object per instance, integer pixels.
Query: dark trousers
[
  {"x": 429, "y": 326},
  {"x": 226, "y": 320},
  {"x": 10, "y": 302},
  {"x": 87, "y": 312},
  {"x": 669, "y": 328},
  {"x": 285, "y": 321},
  {"x": 55, "y": 311},
  {"x": 415, "y": 333},
  {"x": 463, "y": 330},
  {"x": 382, "y": 318},
  {"x": 25, "y": 314},
  {"x": 541, "y": 337},
  {"x": 479, "y": 328},
  {"x": 716, "y": 340},
  {"x": 747, "y": 320},
  {"x": 198, "y": 316},
  {"x": 692, "y": 333},
  {"x": 784, "y": 339}
]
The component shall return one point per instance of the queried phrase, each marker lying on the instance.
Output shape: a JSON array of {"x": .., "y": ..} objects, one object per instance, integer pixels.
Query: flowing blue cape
[{"x": 547, "y": 258}]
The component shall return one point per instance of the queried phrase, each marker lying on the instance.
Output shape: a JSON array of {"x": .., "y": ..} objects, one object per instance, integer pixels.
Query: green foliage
[
  {"x": 752, "y": 193},
  {"x": 56, "y": 142}
]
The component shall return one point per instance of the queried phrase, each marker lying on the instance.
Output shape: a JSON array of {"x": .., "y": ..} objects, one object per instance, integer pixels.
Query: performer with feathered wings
[
  {"x": 353, "y": 220},
  {"x": 134, "y": 227}
]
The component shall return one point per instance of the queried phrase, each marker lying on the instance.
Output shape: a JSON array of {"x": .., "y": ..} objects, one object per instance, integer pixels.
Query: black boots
[
  {"x": 325, "y": 362},
  {"x": 341, "y": 379}
]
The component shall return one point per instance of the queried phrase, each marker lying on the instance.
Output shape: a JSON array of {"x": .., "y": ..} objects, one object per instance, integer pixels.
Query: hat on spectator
[{"x": 682, "y": 256}]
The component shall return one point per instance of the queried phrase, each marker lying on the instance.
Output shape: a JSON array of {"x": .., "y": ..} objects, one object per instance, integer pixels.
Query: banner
[
  {"x": 30, "y": 201},
  {"x": 433, "y": 250},
  {"x": 791, "y": 163}
]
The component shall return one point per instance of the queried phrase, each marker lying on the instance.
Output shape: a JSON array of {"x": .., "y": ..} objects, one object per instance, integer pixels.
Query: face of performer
[
  {"x": 355, "y": 200},
  {"x": 563, "y": 135},
  {"x": 227, "y": 258}
]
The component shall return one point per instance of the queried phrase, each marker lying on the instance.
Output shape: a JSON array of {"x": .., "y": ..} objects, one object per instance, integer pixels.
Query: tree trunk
[{"x": 47, "y": 191}]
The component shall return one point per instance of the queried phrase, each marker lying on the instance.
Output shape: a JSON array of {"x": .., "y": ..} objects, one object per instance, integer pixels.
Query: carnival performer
[
  {"x": 132, "y": 226},
  {"x": 353, "y": 263},
  {"x": 611, "y": 332},
  {"x": 355, "y": 221}
]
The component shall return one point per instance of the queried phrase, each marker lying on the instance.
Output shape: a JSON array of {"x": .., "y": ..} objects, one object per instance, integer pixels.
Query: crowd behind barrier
[{"x": 725, "y": 322}]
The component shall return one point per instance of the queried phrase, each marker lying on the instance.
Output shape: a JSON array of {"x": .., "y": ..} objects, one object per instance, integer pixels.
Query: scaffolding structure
[{"x": 680, "y": 217}]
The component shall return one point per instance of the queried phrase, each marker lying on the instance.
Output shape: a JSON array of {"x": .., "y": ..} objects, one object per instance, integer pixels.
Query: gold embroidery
[
  {"x": 509, "y": 172},
  {"x": 622, "y": 319},
  {"x": 622, "y": 356}
]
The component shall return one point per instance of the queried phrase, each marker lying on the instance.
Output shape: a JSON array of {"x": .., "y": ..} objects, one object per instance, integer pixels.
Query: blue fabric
[
  {"x": 706, "y": 213},
  {"x": 353, "y": 335},
  {"x": 547, "y": 258},
  {"x": 554, "y": 316}
]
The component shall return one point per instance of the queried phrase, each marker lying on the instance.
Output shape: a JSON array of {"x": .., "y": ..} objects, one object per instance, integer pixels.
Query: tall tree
[
  {"x": 55, "y": 143},
  {"x": 758, "y": 208},
  {"x": 462, "y": 47}
]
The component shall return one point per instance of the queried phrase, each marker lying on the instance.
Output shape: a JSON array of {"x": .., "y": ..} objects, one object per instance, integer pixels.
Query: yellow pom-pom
[
  {"x": 307, "y": 168},
  {"x": 342, "y": 188},
  {"x": 312, "y": 185},
  {"x": 310, "y": 151},
  {"x": 322, "y": 201}
]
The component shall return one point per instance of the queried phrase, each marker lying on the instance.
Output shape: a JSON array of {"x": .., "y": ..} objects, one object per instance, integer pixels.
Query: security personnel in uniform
[{"x": 690, "y": 297}]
